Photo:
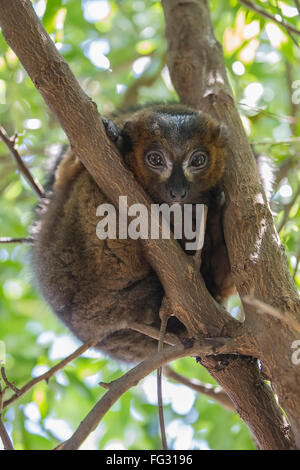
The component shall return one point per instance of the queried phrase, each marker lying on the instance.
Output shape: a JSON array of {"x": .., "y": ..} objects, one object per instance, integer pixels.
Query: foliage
[{"x": 118, "y": 53}]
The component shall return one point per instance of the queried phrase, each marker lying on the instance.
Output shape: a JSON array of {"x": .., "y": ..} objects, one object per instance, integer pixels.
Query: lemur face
[{"x": 176, "y": 153}]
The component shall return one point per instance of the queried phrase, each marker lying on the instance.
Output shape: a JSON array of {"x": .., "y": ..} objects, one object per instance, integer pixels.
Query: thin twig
[
  {"x": 263, "y": 111},
  {"x": 280, "y": 13},
  {"x": 46, "y": 376},
  {"x": 5, "y": 437},
  {"x": 28, "y": 240},
  {"x": 131, "y": 95},
  {"x": 11, "y": 145},
  {"x": 8, "y": 383},
  {"x": 287, "y": 210},
  {"x": 153, "y": 332},
  {"x": 262, "y": 307},
  {"x": 7, "y": 444},
  {"x": 289, "y": 164},
  {"x": 293, "y": 140},
  {"x": 290, "y": 28},
  {"x": 215, "y": 393},
  {"x": 164, "y": 320}
]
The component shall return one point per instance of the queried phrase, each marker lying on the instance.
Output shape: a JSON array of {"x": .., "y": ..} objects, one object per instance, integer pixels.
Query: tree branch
[
  {"x": 153, "y": 332},
  {"x": 81, "y": 122},
  {"x": 46, "y": 376},
  {"x": 289, "y": 164},
  {"x": 204, "y": 86},
  {"x": 118, "y": 387},
  {"x": 287, "y": 209},
  {"x": 28, "y": 240},
  {"x": 291, "y": 141},
  {"x": 11, "y": 145},
  {"x": 215, "y": 393},
  {"x": 289, "y": 28},
  {"x": 7, "y": 382},
  {"x": 262, "y": 307},
  {"x": 145, "y": 80},
  {"x": 5, "y": 436},
  {"x": 198, "y": 73}
]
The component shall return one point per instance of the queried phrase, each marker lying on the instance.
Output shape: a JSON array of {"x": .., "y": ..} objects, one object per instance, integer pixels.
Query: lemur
[{"x": 97, "y": 286}]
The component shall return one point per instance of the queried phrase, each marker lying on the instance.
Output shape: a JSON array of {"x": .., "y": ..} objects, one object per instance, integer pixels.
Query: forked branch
[{"x": 11, "y": 145}]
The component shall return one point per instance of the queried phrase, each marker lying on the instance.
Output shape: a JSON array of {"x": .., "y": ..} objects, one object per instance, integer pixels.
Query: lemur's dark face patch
[{"x": 175, "y": 152}]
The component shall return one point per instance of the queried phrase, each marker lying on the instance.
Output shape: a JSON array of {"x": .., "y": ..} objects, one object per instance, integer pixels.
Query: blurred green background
[{"x": 118, "y": 53}]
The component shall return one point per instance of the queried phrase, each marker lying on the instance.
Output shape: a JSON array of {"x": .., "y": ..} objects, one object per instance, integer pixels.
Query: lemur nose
[{"x": 178, "y": 195}]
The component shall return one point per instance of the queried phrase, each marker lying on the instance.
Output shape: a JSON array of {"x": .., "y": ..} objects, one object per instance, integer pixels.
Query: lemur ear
[
  {"x": 120, "y": 135},
  {"x": 132, "y": 127},
  {"x": 130, "y": 133},
  {"x": 125, "y": 141},
  {"x": 127, "y": 128},
  {"x": 220, "y": 135}
]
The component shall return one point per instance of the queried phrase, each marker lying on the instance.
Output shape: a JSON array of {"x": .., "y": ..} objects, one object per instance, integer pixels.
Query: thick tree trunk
[
  {"x": 198, "y": 74},
  {"x": 257, "y": 258}
]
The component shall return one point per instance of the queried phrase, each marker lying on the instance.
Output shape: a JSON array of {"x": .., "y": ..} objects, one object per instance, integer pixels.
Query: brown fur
[{"x": 97, "y": 286}]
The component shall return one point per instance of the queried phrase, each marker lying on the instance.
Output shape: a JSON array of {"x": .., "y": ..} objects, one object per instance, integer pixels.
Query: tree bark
[
  {"x": 191, "y": 302},
  {"x": 257, "y": 258}
]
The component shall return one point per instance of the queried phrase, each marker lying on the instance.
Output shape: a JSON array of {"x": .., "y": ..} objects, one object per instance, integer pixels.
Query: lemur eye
[
  {"x": 198, "y": 160},
  {"x": 155, "y": 160}
]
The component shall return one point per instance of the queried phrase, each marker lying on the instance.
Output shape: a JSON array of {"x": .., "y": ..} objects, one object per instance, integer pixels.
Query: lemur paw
[{"x": 111, "y": 129}]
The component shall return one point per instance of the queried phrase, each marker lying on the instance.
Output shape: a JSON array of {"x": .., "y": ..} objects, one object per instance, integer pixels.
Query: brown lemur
[{"x": 97, "y": 286}]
